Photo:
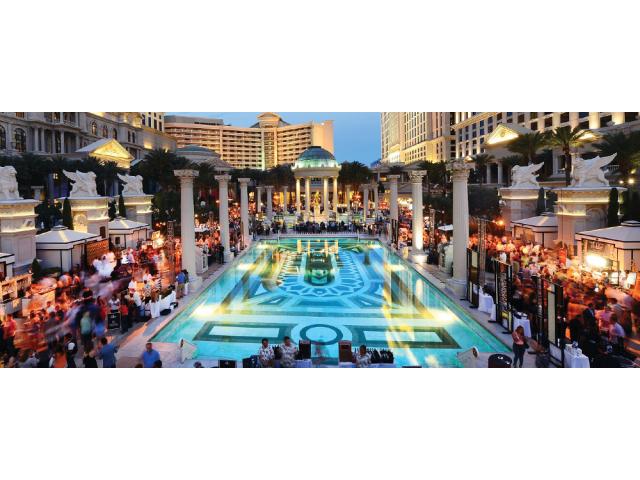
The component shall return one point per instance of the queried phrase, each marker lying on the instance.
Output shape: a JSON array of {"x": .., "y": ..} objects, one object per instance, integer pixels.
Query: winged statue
[
  {"x": 525, "y": 176},
  {"x": 132, "y": 184},
  {"x": 84, "y": 184},
  {"x": 589, "y": 173},
  {"x": 8, "y": 184}
]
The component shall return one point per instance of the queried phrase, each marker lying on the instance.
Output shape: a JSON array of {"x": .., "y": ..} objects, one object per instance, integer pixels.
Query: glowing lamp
[{"x": 596, "y": 261}]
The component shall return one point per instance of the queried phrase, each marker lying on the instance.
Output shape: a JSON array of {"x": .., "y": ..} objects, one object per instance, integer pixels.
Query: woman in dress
[{"x": 519, "y": 346}]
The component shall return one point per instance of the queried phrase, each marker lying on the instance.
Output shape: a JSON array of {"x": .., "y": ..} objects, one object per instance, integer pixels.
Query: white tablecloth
[
  {"x": 526, "y": 324},
  {"x": 573, "y": 359},
  {"x": 485, "y": 303}
]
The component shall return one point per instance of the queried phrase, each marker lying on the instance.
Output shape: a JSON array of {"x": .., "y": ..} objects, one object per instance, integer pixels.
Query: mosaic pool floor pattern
[{"x": 326, "y": 291}]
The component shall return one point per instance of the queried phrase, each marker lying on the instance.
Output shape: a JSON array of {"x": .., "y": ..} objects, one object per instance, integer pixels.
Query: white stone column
[
  {"x": 307, "y": 196},
  {"x": 348, "y": 199},
  {"x": 335, "y": 195},
  {"x": 417, "y": 213},
  {"x": 244, "y": 210},
  {"x": 285, "y": 199},
  {"x": 374, "y": 186},
  {"x": 488, "y": 173},
  {"x": 365, "y": 202},
  {"x": 298, "y": 206},
  {"x": 393, "y": 202},
  {"x": 499, "y": 173},
  {"x": 259, "y": 199},
  {"x": 460, "y": 176},
  {"x": 223, "y": 184},
  {"x": 187, "y": 226},
  {"x": 325, "y": 195},
  {"x": 269, "y": 202},
  {"x": 62, "y": 141}
]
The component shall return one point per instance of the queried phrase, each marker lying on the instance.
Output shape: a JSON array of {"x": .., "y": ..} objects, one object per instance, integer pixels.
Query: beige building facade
[
  {"x": 271, "y": 141},
  {"x": 62, "y": 133},
  {"x": 408, "y": 137}
]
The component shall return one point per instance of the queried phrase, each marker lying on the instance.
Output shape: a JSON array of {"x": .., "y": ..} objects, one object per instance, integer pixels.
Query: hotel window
[
  {"x": 20, "y": 114},
  {"x": 534, "y": 126},
  {"x": 564, "y": 117},
  {"x": 499, "y": 116},
  {"x": 105, "y": 131},
  {"x": 94, "y": 128},
  {"x": 583, "y": 114},
  {"x": 533, "y": 115},
  {"x": 115, "y": 133},
  {"x": 490, "y": 120},
  {"x": 509, "y": 114},
  {"x": 605, "y": 120},
  {"x": 630, "y": 116},
  {"x": 490, "y": 128},
  {"x": 521, "y": 118},
  {"x": 20, "y": 140},
  {"x": 482, "y": 131},
  {"x": 3, "y": 138},
  {"x": 481, "y": 123},
  {"x": 584, "y": 125},
  {"x": 548, "y": 122}
]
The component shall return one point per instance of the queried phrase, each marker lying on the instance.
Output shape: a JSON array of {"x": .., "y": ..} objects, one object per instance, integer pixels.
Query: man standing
[
  {"x": 266, "y": 354},
  {"x": 108, "y": 353},
  {"x": 180, "y": 279},
  {"x": 289, "y": 351},
  {"x": 149, "y": 356}
]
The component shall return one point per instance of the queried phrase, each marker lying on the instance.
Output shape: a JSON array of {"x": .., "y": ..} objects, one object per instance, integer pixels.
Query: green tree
[
  {"x": 541, "y": 203},
  {"x": 626, "y": 148},
  {"x": 122, "y": 210},
  {"x": 67, "y": 218},
  {"x": 36, "y": 269},
  {"x": 112, "y": 210},
  {"x": 612, "y": 211},
  {"x": 566, "y": 138},
  {"x": 634, "y": 206},
  {"x": 624, "y": 208},
  {"x": 528, "y": 145}
]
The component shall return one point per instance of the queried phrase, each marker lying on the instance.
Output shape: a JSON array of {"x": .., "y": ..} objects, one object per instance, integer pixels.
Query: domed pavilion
[{"x": 316, "y": 166}]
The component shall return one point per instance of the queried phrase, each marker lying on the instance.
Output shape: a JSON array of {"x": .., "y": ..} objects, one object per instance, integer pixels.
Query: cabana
[
  {"x": 125, "y": 233},
  {"x": 612, "y": 248},
  {"x": 63, "y": 248},
  {"x": 541, "y": 230}
]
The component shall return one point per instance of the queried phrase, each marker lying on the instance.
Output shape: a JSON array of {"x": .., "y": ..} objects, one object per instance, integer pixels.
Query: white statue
[
  {"x": 589, "y": 173},
  {"x": 525, "y": 177},
  {"x": 8, "y": 184},
  {"x": 84, "y": 184},
  {"x": 132, "y": 184}
]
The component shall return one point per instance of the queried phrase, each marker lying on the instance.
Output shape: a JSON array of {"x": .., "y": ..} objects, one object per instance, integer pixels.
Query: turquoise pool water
[{"x": 327, "y": 290}]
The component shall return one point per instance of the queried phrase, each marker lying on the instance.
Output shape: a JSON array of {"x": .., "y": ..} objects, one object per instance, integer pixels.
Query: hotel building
[
  {"x": 269, "y": 142},
  {"x": 408, "y": 137}
]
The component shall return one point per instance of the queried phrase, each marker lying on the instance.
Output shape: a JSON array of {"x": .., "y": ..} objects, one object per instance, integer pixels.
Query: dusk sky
[{"x": 356, "y": 135}]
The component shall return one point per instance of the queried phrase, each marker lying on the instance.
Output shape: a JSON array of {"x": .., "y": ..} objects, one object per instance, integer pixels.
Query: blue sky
[{"x": 356, "y": 135}]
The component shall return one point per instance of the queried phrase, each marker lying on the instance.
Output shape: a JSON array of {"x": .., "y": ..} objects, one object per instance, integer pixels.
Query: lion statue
[
  {"x": 8, "y": 184},
  {"x": 589, "y": 173},
  {"x": 525, "y": 177},
  {"x": 84, "y": 184},
  {"x": 132, "y": 184}
]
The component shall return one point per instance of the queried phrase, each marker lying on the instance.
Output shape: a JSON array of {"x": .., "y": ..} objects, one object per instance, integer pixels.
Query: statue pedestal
[
  {"x": 90, "y": 215},
  {"x": 18, "y": 231},
  {"x": 139, "y": 208},
  {"x": 519, "y": 203},
  {"x": 581, "y": 208}
]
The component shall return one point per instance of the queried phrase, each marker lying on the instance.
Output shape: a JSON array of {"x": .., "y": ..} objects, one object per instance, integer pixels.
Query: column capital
[
  {"x": 269, "y": 187},
  {"x": 417, "y": 175},
  {"x": 186, "y": 176},
  {"x": 223, "y": 178},
  {"x": 393, "y": 178},
  {"x": 244, "y": 181},
  {"x": 460, "y": 164}
]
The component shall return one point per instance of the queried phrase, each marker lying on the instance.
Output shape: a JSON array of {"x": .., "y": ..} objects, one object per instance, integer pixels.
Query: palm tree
[
  {"x": 157, "y": 169},
  {"x": 528, "y": 145},
  {"x": 627, "y": 148},
  {"x": 566, "y": 138},
  {"x": 482, "y": 160}
]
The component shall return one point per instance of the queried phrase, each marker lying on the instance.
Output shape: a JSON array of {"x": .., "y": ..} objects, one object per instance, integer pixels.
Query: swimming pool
[{"x": 327, "y": 290}]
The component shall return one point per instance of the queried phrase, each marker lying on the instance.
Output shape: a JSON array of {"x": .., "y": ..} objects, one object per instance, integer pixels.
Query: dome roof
[
  {"x": 194, "y": 148},
  {"x": 316, "y": 157}
]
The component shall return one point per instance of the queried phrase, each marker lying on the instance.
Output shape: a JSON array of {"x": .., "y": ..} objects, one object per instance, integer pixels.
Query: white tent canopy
[
  {"x": 127, "y": 233},
  {"x": 62, "y": 248},
  {"x": 619, "y": 244}
]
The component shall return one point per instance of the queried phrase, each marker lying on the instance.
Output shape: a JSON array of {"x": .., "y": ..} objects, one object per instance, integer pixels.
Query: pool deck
[{"x": 131, "y": 344}]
